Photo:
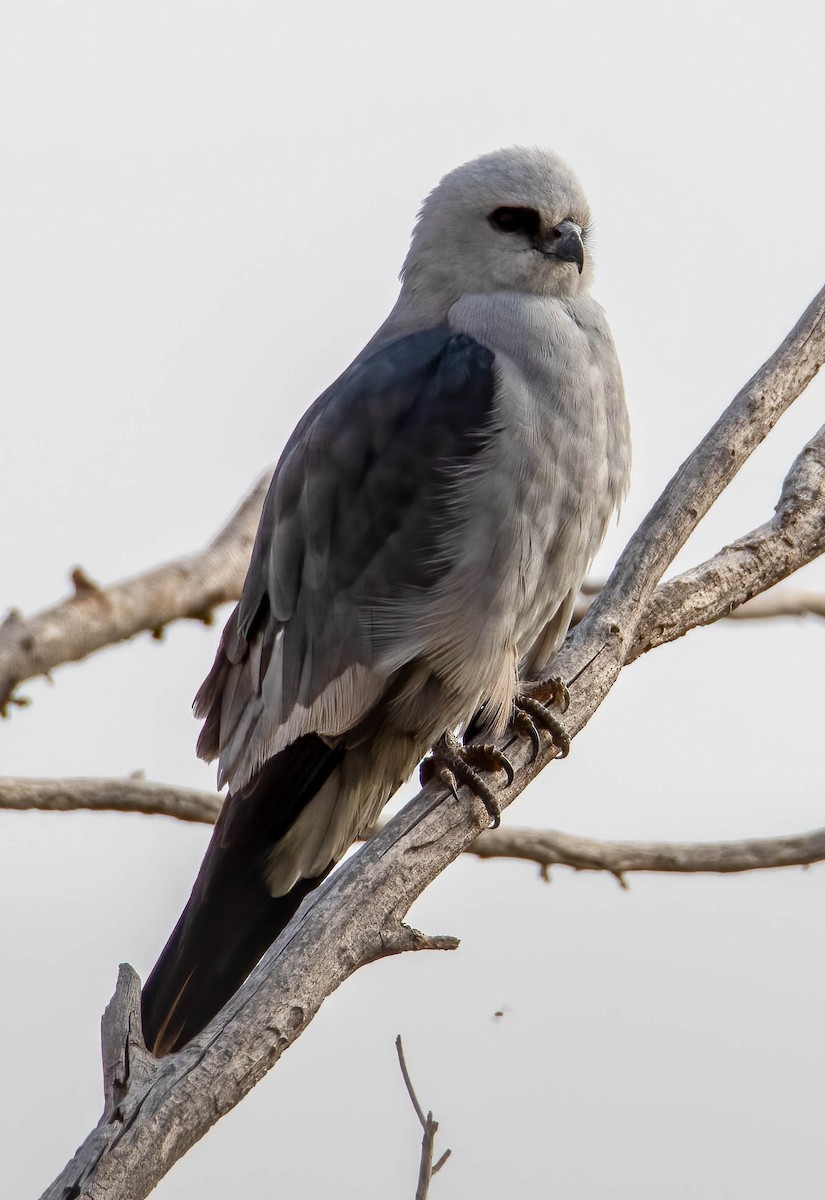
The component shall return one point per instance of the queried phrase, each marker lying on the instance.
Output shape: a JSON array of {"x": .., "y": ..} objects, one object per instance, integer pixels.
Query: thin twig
[
  {"x": 402, "y": 1062},
  {"x": 437, "y": 1166},
  {"x": 429, "y": 1126}
]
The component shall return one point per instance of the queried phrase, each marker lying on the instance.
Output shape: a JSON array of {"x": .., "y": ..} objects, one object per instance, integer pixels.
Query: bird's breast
[{"x": 554, "y": 474}]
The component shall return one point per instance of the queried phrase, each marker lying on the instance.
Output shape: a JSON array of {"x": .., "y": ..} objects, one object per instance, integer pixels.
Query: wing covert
[{"x": 357, "y": 518}]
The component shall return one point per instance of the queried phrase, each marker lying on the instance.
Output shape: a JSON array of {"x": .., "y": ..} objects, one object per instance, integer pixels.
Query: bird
[{"x": 418, "y": 555}]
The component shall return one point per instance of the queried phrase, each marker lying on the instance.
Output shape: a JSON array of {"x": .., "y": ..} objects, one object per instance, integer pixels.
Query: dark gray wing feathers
[{"x": 354, "y": 519}]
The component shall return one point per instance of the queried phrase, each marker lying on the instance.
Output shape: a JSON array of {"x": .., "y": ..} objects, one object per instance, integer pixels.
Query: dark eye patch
[{"x": 516, "y": 220}]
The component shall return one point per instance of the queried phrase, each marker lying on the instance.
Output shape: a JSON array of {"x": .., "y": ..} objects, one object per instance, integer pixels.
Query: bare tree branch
[
  {"x": 783, "y": 602},
  {"x": 545, "y": 847},
  {"x": 357, "y": 914},
  {"x": 95, "y": 617},
  {"x": 429, "y": 1126},
  {"x": 549, "y": 848},
  {"x": 779, "y": 602},
  {"x": 687, "y": 498},
  {"x": 113, "y": 795},
  {"x": 408, "y": 1084},
  {"x": 792, "y": 538}
]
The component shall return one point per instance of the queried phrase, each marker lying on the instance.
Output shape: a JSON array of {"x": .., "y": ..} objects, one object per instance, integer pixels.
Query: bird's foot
[
  {"x": 551, "y": 691},
  {"x": 452, "y": 763},
  {"x": 531, "y": 716}
]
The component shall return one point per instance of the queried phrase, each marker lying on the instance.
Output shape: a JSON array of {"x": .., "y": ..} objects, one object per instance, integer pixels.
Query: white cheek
[{"x": 511, "y": 268}]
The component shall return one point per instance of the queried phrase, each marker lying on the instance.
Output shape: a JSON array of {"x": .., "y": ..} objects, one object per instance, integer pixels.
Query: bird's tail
[{"x": 231, "y": 917}]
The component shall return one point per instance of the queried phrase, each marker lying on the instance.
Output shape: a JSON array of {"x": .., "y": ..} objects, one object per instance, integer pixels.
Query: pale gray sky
[{"x": 205, "y": 206}]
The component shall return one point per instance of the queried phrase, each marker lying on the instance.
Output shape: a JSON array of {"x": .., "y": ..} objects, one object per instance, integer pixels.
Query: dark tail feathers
[{"x": 230, "y": 918}]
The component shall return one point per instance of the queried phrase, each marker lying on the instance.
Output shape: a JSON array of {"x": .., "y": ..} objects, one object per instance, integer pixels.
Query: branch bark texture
[
  {"x": 109, "y": 795},
  {"x": 95, "y": 617},
  {"x": 549, "y": 848},
  {"x": 357, "y": 915},
  {"x": 545, "y": 847},
  {"x": 738, "y": 573}
]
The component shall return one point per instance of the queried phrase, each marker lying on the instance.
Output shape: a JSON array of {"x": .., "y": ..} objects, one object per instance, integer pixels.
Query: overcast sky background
[{"x": 204, "y": 210}]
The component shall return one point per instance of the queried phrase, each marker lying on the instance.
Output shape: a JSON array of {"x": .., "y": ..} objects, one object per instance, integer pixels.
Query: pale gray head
[{"x": 514, "y": 220}]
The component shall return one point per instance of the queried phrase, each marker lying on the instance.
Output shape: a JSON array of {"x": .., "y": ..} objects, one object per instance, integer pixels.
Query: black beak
[{"x": 564, "y": 242}]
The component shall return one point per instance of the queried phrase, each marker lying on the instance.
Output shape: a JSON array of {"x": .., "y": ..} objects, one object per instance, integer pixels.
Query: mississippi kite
[{"x": 423, "y": 539}]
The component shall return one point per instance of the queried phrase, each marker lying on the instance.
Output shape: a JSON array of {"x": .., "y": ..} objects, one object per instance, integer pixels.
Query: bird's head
[{"x": 514, "y": 220}]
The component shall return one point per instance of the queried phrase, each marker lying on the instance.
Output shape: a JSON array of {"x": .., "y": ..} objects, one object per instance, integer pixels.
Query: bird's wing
[{"x": 358, "y": 520}]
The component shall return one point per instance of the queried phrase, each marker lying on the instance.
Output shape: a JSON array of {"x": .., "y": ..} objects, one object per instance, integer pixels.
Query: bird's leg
[
  {"x": 531, "y": 715},
  {"x": 452, "y": 762}
]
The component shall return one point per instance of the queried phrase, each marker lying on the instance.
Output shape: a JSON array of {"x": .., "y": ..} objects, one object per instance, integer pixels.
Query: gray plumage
[{"x": 424, "y": 537}]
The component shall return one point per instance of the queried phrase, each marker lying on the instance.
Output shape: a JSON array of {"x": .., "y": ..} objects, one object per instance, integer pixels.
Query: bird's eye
[{"x": 515, "y": 220}]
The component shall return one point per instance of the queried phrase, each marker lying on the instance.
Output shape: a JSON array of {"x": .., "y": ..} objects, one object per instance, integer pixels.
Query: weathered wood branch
[
  {"x": 549, "y": 848},
  {"x": 793, "y": 537},
  {"x": 109, "y": 795},
  {"x": 781, "y": 601},
  {"x": 545, "y": 847},
  {"x": 357, "y": 915},
  {"x": 95, "y": 617},
  {"x": 696, "y": 485}
]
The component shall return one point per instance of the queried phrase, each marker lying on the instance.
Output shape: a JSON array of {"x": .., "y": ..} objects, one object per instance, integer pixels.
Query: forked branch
[
  {"x": 429, "y": 1127},
  {"x": 357, "y": 915}
]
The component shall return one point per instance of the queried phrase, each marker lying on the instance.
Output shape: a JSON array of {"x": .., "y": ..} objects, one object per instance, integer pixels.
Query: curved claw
[
  {"x": 451, "y": 762},
  {"x": 489, "y": 758},
  {"x": 431, "y": 768},
  {"x": 524, "y": 725},
  {"x": 532, "y": 714}
]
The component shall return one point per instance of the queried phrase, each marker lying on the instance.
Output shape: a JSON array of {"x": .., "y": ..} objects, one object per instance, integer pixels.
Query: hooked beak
[{"x": 564, "y": 242}]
